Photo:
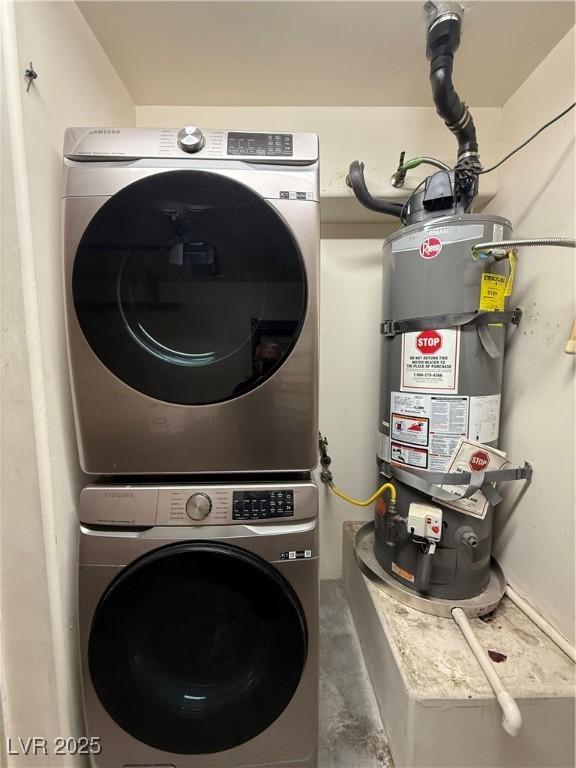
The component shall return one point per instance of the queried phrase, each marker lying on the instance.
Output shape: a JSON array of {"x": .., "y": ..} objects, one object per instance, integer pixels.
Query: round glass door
[
  {"x": 197, "y": 647},
  {"x": 189, "y": 287}
]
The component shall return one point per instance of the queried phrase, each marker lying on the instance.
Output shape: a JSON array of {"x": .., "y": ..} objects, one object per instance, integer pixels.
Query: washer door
[
  {"x": 189, "y": 287},
  {"x": 197, "y": 647}
]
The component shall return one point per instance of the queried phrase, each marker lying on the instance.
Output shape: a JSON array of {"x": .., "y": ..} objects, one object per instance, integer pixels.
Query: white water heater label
[
  {"x": 425, "y": 429},
  {"x": 383, "y": 447},
  {"x": 471, "y": 456},
  {"x": 430, "y": 361},
  {"x": 484, "y": 418},
  {"x": 409, "y": 455}
]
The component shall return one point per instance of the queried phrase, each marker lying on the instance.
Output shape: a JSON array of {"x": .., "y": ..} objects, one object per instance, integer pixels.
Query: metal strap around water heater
[
  {"x": 480, "y": 319},
  {"x": 430, "y": 482}
]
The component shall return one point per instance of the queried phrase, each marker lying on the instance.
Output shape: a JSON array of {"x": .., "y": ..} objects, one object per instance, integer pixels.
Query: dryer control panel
[
  {"x": 190, "y": 143},
  {"x": 210, "y": 504},
  {"x": 260, "y": 144}
]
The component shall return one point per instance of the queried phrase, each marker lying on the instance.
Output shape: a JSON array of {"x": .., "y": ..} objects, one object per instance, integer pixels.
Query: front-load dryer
[
  {"x": 198, "y": 616},
  {"x": 190, "y": 267}
]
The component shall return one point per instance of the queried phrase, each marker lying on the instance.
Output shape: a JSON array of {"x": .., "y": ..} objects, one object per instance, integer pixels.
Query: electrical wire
[
  {"x": 509, "y": 155},
  {"x": 432, "y": 161},
  {"x": 366, "y": 502}
]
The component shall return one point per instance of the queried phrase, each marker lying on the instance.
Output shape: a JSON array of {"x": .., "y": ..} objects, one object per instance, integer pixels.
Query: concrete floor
[{"x": 351, "y": 734}]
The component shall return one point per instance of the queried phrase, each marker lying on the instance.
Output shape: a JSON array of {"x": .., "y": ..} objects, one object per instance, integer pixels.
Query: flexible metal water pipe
[{"x": 528, "y": 242}]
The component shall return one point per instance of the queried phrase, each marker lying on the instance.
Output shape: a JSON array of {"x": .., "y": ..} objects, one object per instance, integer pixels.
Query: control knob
[
  {"x": 198, "y": 506},
  {"x": 191, "y": 139}
]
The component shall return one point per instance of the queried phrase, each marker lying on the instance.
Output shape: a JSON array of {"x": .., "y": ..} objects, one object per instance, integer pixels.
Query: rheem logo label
[
  {"x": 431, "y": 247},
  {"x": 478, "y": 461},
  {"x": 428, "y": 342}
]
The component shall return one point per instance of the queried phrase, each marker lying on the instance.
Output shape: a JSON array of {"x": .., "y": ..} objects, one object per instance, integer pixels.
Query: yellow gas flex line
[
  {"x": 366, "y": 503},
  {"x": 326, "y": 477}
]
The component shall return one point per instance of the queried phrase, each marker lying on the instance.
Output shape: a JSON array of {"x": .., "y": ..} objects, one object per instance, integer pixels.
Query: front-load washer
[
  {"x": 198, "y": 618},
  {"x": 190, "y": 267}
]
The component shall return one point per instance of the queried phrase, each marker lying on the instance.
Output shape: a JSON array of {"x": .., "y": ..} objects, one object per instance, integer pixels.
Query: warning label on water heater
[
  {"x": 430, "y": 361},
  {"x": 472, "y": 456},
  {"x": 425, "y": 429},
  {"x": 409, "y": 429}
]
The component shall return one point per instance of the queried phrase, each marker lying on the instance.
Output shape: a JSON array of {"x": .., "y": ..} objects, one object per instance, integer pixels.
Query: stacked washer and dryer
[{"x": 190, "y": 266}]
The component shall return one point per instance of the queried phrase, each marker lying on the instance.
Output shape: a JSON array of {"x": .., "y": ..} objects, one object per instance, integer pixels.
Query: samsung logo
[
  {"x": 119, "y": 494},
  {"x": 105, "y": 130}
]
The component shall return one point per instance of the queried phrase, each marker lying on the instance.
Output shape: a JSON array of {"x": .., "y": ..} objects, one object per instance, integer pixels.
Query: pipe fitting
[
  {"x": 437, "y": 10},
  {"x": 469, "y": 539},
  {"x": 467, "y": 536},
  {"x": 444, "y": 25}
]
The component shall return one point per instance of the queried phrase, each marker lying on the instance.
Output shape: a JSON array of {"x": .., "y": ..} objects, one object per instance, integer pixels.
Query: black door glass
[
  {"x": 197, "y": 647},
  {"x": 175, "y": 279}
]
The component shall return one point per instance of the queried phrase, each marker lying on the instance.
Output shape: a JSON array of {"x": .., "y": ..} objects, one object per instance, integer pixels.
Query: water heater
[
  {"x": 443, "y": 329},
  {"x": 440, "y": 389}
]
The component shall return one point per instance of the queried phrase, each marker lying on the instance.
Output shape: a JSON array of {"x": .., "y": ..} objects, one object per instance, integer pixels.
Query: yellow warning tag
[
  {"x": 493, "y": 292},
  {"x": 512, "y": 259}
]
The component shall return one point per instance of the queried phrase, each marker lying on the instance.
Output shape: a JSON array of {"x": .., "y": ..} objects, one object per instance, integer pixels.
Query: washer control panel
[
  {"x": 190, "y": 505},
  {"x": 262, "y": 505}
]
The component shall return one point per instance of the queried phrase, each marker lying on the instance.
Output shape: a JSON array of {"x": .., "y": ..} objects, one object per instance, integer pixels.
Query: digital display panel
[{"x": 260, "y": 144}]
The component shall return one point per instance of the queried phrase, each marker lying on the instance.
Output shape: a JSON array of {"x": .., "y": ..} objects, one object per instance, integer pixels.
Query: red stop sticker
[
  {"x": 428, "y": 342},
  {"x": 431, "y": 247},
  {"x": 479, "y": 461}
]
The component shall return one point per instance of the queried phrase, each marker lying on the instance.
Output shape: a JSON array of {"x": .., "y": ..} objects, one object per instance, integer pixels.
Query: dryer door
[
  {"x": 189, "y": 287},
  {"x": 197, "y": 647}
]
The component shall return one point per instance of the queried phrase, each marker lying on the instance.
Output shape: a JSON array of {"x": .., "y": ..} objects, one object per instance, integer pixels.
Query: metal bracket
[
  {"x": 391, "y": 327},
  {"x": 387, "y": 328},
  {"x": 430, "y": 482}
]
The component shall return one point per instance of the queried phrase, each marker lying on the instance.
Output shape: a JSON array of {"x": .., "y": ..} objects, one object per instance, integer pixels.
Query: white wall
[
  {"x": 535, "y": 537},
  {"x": 26, "y": 655},
  {"x": 76, "y": 86},
  {"x": 350, "y": 299}
]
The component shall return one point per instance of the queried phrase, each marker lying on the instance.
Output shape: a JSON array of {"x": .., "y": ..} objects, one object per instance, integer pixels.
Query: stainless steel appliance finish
[
  {"x": 192, "y": 300},
  {"x": 199, "y": 643}
]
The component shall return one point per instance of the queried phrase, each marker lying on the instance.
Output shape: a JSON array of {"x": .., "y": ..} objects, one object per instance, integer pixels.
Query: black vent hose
[
  {"x": 357, "y": 182},
  {"x": 442, "y": 42}
]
